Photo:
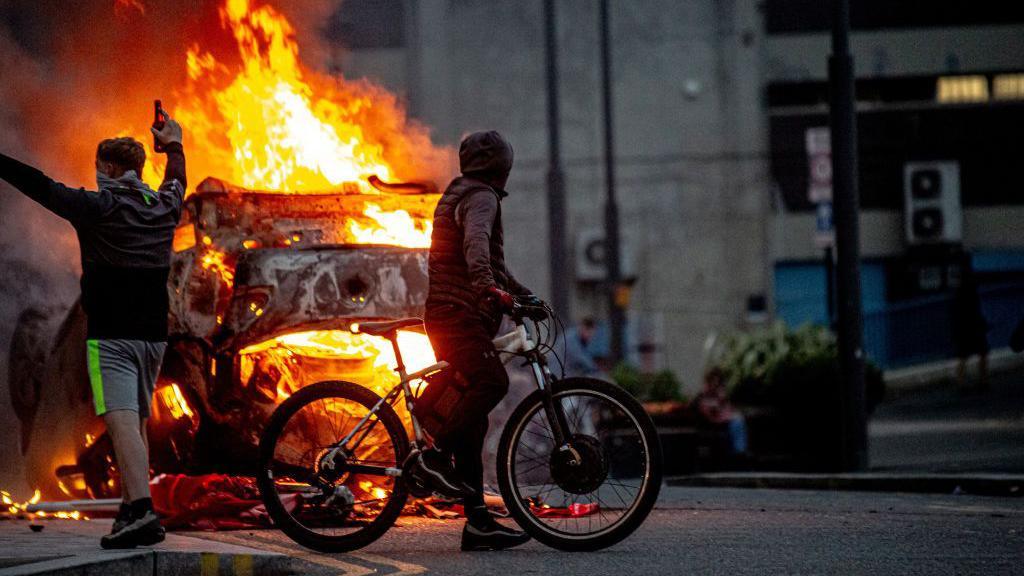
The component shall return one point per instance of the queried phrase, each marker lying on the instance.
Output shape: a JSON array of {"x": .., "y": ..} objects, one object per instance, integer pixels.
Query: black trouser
[{"x": 464, "y": 339}]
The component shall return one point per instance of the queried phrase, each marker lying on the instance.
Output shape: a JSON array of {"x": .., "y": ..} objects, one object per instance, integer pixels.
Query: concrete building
[{"x": 713, "y": 236}]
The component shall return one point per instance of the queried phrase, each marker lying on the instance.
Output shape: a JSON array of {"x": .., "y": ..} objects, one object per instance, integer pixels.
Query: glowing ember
[
  {"x": 20, "y": 509},
  {"x": 213, "y": 259}
]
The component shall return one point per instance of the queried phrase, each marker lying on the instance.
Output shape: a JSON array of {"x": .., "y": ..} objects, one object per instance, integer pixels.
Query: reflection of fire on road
[{"x": 264, "y": 285}]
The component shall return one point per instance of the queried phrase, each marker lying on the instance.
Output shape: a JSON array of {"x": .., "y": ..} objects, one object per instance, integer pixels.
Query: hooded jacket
[
  {"x": 467, "y": 245},
  {"x": 125, "y": 230}
]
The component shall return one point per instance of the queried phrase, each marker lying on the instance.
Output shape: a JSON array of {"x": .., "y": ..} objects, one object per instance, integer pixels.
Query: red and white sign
[{"x": 819, "y": 159}]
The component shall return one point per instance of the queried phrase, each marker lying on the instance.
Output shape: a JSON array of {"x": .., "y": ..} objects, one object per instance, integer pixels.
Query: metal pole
[
  {"x": 616, "y": 312},
  {"x": 842, "y": 117},
  {"x": 556, "y": 183},
  {"x": 830, "y": 288}
]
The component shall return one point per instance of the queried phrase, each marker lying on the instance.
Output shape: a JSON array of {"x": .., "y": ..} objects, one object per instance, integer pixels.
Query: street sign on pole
[
  {"x": 824, "y": 231},
  {"x": 819, "y": 161}
]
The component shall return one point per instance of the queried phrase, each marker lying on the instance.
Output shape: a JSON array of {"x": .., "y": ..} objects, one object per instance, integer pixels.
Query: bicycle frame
[{"x": 519, "y": 341}]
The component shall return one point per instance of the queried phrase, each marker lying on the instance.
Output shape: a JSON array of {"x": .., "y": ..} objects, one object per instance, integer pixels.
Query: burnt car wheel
[
  {"x": 30, "y": 345},
  {"x": 326, "y": 499}
]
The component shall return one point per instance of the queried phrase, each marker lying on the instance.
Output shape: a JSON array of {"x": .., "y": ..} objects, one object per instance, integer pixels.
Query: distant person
[
  {"x": 595, "y": 339},
  {"x": 124, "y": 233},
  {"x": 970, "y": 331},
  {"x": 579, "y": 361},
  {"x": 712, "y": 407}
]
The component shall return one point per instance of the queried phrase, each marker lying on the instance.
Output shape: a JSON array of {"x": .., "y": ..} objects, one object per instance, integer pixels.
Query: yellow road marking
[
  {"x": 242, "y": 564},
  {"x": 308, "y": 556},
  {"x": 404, "y": 568},
  {"x": 209, "y": 564}
]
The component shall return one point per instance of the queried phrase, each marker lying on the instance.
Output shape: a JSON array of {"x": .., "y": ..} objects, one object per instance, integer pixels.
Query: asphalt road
[{"x": 724, "y": 531}]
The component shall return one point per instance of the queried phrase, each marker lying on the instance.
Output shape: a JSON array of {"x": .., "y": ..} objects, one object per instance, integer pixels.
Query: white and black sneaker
[
  {"x": 433, "y": 469},
  {"x": 489, "y": 535},
  {"x": 143, "y": 531}
]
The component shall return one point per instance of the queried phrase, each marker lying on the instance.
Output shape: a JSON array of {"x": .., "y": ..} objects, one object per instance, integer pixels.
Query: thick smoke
[{"x": 38, "y": 257}]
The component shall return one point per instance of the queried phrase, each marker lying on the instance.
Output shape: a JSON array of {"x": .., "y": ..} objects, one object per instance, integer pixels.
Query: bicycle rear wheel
[
  {"x": 601, "y": 488},
  {"x": 332, "y": 502}
]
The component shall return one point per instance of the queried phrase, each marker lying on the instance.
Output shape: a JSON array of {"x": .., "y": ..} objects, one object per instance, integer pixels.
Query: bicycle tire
[
  {"x": 650, "y": 489},
  {"x": 281, "y": 518}
]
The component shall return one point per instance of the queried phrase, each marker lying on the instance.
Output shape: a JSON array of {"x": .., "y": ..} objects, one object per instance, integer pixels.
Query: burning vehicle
[
  {"x": 264, "y": 290},
  {"x": 269, "y": 275}
]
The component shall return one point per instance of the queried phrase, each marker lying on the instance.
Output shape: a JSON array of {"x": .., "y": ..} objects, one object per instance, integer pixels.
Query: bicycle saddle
[{"x": 386, "y": 328}]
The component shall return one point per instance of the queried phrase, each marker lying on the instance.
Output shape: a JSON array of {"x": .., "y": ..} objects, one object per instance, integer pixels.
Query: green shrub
[
  {"x": 770, "y": 365},
  {"x": 660, "y": 386}
]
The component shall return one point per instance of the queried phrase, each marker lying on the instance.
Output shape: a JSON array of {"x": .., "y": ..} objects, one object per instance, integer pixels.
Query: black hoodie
[
  {"x": 467, "y": 249},
  {"x": 125, "y": 234}
]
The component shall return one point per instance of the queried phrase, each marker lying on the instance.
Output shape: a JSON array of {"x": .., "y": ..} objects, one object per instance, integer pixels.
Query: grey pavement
[
  {"x": 66, "y": 547},
  {"x": 940, "y": 429}
]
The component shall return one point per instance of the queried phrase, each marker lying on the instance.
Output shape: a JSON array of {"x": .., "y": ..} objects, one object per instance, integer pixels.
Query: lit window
[
  {"x": 952, "y": 89},
  {"x": 1008, "y": 87}
]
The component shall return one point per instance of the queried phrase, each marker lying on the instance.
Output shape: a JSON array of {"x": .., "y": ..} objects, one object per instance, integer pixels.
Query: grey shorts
[{"x": 123, "y": 373}]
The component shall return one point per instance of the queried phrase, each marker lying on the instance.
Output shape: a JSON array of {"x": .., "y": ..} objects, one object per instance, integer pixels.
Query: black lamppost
[
  {"x": 616, "y": 304},
  {"x": 843, "y": 122},
  {"x": 558, "y": 270}
]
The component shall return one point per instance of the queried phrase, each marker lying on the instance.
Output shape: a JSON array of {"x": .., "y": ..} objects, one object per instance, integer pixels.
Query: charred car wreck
[{"x": 264, "y": 288}]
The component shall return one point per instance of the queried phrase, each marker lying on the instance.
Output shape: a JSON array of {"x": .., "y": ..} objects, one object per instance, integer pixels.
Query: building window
[
  {"x": 1008, "y": 87},
  {"x": 960, "y": 89}
]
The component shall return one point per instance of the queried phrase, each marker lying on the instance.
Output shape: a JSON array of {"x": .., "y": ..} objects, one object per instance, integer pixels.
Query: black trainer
[
  {"x": 433, "y": 468},
  {"x": 124, "y": 516},
  {"x": 489, "y": 535},
  {"x": 143, "y": 531}
]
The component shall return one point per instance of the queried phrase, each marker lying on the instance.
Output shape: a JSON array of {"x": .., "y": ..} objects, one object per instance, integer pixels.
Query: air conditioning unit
[
  {"x": 931, "y": 200},
  {"x": 590, "y": 260}
]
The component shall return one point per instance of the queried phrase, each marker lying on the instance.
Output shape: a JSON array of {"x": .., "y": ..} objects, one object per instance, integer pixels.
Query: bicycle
[{"x": 579, "y": 461}]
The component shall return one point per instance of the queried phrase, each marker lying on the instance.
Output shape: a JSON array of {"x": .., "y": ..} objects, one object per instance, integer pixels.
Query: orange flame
[
  {"x": 376, "y": 371},
  {"x": 268, "y": 123},
  {"x": 396, "y": 228}
]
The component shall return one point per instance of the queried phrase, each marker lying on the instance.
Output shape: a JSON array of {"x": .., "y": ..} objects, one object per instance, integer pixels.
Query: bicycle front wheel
[
  {"x": 326, "y": 499},
  {"x": 596, "y": 490}
]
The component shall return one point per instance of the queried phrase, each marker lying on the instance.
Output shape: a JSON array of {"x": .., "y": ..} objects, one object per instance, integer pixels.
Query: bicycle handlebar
[{"x": 532, "y": 311}]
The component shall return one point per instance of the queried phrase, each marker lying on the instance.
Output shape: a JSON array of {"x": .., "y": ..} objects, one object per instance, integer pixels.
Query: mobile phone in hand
[{"x": 159, "y": 121}]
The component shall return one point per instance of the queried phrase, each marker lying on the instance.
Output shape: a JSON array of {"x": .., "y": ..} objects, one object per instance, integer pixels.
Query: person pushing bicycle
[{"x": 469, "y": 289}]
